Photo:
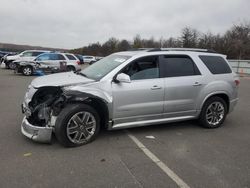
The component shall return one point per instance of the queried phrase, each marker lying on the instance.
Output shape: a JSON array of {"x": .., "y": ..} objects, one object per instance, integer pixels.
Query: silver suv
[{"x": 130, "y": 89}]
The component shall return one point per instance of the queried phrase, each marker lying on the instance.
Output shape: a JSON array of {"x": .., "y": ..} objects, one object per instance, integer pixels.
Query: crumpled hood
[{"x": 60, "y": 79}]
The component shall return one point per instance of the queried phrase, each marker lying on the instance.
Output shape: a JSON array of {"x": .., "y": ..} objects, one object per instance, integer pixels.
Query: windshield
[{"x": 102, "y": 67}]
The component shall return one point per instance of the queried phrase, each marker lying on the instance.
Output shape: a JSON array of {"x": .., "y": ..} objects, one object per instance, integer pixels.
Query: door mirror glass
[{"x": 123, "y": 78}]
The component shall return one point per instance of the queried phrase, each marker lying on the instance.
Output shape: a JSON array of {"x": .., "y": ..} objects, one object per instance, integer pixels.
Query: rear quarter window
[{"x": 216, "y": 64}]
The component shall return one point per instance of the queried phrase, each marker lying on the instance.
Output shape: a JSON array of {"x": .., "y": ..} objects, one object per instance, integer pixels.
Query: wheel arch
[
  {"x": 222, "y": 95},
  {"x": 71, "y": 66},
  {"x": 99, "y": 104}
]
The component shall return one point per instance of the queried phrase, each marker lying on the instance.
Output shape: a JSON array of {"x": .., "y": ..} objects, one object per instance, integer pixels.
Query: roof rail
[
  {"x": 140, "y": 49},
  {"x": 181, "y": 49}
]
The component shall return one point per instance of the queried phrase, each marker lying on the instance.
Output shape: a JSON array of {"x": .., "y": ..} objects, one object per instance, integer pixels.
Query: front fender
[{"x": 80, "y": 91}]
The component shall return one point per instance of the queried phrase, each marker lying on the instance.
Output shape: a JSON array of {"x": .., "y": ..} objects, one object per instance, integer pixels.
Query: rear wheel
[
  {"x": 76, "y": 125},
  {"x": 71, "y": 68},
  {"x": 27, "y": 70},
  {"x": 213, "y": 113}
]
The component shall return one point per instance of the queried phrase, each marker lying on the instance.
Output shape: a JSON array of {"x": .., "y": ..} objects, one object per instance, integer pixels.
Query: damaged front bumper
[
  {"x": 38, "y": 134},
  {"x": 38, "y": 122}
]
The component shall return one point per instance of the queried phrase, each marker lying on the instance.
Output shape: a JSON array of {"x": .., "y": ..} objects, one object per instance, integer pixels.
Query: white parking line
[{"x": 158, "y": 162}]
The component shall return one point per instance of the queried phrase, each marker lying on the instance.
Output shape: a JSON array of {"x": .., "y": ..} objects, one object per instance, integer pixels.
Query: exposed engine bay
[{"x": 46, "y": 102}]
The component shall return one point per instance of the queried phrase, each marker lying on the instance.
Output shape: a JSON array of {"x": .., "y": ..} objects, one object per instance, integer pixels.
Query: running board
[{"x": 150, "y": 122}]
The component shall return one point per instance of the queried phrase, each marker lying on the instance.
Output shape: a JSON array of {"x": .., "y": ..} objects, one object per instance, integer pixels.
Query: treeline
[
  {"x": 19, "y": 48},
  {"x": 235, "y": 42}
]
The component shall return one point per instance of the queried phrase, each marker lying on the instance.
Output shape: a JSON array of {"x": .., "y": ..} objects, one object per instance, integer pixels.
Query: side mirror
[{"x": 123, "y": 78}]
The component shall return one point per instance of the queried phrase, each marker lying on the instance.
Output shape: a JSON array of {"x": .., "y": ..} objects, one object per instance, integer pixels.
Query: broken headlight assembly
[{"x": 43, "y": 103}]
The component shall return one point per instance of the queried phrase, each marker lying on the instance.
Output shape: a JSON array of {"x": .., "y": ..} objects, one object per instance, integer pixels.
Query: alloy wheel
[
  {"x": 81, "y": 127},
  {"x": 27, "y": 71},
  {"x": 12, "y": 65},
  {"x": 215, "y": 113}
]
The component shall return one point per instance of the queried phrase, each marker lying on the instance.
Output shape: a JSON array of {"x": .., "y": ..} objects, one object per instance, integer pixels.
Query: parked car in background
[
  {"x": 80, "y": 57},
  {"x": 49, "y": 62},
  {"x": 131, "y": 89},
  {"x": 89, "y": 59},
  {"x": 98, "y": 58},
  {"x": 28, "y": 55},
  {"x": 3, "y": 55}
]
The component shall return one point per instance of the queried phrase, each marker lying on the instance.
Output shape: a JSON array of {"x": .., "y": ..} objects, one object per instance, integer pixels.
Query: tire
[
  {"x": 27, "y": 70},
  {"x": 71, "y": 68},
  {"x": 12, "y": 65},
  {"x": 70, "y": 127},
  {"x": 213, "y": 113},
  {"x": 7, "y": 65}
]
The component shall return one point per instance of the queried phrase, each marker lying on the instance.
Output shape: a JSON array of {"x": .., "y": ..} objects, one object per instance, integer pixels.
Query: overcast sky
[{"x": 75, "y": 23}]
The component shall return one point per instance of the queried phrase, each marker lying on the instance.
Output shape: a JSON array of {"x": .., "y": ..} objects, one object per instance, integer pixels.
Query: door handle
[
  {"x": 155, "y": 87},
  {"x": 197, "y": 84}
]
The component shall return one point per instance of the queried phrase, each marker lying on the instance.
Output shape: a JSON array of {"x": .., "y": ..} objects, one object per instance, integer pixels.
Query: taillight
[
  {"x": 237, "y": 82},
  {"x": 78, "y": 62}
]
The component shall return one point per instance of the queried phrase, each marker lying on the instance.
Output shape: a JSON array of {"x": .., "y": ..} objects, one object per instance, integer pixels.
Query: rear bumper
[
  {"x": 78, "y": 67},
  {"x": 38, "y": 134},
  {"x": 232, "y": 104}
]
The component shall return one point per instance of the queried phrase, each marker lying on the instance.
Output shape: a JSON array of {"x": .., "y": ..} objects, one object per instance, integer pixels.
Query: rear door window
[
  {"x": 43, "y": 57},
  {"x": 53, "y": 56},
  {"x": 216, "y": 64},
  {"x": 178, "y": 65},
  {"x": 70, "y": 57}
]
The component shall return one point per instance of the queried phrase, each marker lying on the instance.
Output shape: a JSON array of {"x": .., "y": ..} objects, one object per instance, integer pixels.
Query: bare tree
[
  {"x": 189, "y": 37},
  {"x": 123, "y": 45},
  {"x": 137, "y": 43}
]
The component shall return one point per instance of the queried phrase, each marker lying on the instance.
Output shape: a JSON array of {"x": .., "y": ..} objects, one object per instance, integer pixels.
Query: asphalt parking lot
[{"x": 200, "y": 157}]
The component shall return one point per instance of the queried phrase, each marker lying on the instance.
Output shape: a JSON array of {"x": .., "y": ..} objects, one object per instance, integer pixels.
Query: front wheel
[
  {"x": 27, "y": 70},
  {"x": 7, "y": 65},
  {"x": 12, "y": 65},
  {"x": 76, "y": 125},
  {"x": 213, "y": 113}
]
